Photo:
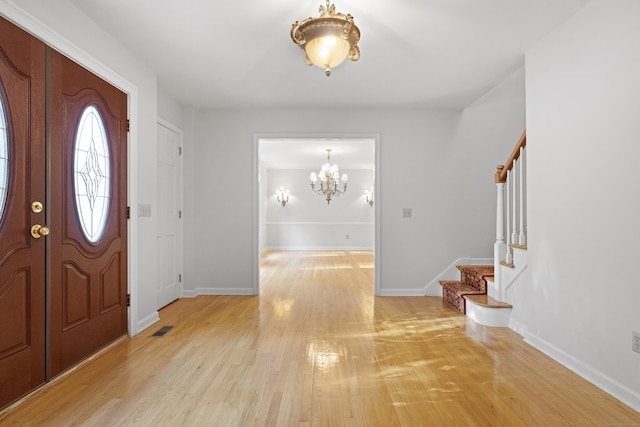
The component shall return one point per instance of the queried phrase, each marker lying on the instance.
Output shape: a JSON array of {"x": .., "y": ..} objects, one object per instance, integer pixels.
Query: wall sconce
[
  {"x": 369, "y": 196},
  {"x": 283, "y": 196}
]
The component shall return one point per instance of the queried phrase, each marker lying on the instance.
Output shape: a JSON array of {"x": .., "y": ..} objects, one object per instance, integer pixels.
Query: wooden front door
[
  {"x": 87, "y": 212},
  {"x": 63, "y": 224},
  {"x": 22, "y": 172}
]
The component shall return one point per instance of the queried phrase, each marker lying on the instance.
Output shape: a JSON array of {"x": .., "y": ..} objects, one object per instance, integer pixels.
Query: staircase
[
  {"x": 483, "y": 291},
  {"x": 469, "y": 296},
  {"x": 473, "y": 281}
]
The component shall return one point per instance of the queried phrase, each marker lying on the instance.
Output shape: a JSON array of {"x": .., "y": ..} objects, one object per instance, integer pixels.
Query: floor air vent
[{"x": 160, "y": 332}]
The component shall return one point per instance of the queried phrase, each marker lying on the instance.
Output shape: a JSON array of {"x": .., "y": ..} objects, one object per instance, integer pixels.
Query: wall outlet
[{"x": 635, "y": 343}]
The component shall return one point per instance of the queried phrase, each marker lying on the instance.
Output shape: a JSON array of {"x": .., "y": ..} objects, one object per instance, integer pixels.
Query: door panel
[
  {"x": 168, "y": 236},
  {"x": 22, "y": 257},
  {"x": 88, "y": 280}
]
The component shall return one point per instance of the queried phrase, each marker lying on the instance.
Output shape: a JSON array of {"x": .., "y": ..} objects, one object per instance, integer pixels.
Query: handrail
[{"x": 502, "y": 170}]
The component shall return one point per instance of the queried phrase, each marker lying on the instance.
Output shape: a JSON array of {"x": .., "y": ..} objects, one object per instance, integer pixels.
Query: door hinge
[
  {"x": 128, "y": 125},
  {"x": 179, "y": 151},
  {"x": 128, "y": 212},
  {"x": 179, "y": 214},
  {"x": 128, "y": 300},
  {"x": 179, "y": 278}
]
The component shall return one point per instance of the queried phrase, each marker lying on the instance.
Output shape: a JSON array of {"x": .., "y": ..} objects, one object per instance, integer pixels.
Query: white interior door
[{"x": 169, "y": 217}]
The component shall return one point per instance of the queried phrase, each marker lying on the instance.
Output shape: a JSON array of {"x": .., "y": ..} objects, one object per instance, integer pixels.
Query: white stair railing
[{"x": 512, "y": 180}]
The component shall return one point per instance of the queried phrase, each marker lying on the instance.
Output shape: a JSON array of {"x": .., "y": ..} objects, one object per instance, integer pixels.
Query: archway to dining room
[{"x": 309, "y": 228}]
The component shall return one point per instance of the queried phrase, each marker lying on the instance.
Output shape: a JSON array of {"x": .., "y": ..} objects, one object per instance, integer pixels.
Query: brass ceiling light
[{"x": 327, "y": 40}]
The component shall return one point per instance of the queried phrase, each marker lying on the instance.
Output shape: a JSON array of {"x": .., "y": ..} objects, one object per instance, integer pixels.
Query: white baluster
[
  {"x": 500, "y": 213},
  {"x": 522, "y": 238},
  {"x": 514, "y": 203},
  {"x": 508, "y": 256}
]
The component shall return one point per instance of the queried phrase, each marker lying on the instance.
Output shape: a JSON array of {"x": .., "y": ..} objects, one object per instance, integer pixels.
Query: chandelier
[
  {"x": 329, "y": 176},
  {"x": 327, "y": 40}
]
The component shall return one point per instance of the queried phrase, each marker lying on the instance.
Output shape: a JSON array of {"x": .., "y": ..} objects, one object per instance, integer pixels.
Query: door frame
[
  {"x": 257, "y": 198},
  {"x": 64, "y": 46}
]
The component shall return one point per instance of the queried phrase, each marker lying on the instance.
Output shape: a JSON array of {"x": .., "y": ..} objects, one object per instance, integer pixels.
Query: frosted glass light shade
[{"x": 328, "y": 51}]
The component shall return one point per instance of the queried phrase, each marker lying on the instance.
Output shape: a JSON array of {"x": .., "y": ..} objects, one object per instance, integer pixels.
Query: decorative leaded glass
[
  {"x": 4, "y": 158},
  {"x": 92, "y": 174}
]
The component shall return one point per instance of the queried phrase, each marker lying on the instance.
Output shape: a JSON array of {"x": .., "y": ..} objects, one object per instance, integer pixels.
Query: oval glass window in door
[
  {"x": 92, "y": 180},
  {"x": 4, "y": 158}
]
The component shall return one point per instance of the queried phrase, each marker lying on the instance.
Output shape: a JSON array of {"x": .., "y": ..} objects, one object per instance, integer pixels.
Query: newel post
[
  {"x": 500, "y": 247},
  {"x": 500, "y": 205}
]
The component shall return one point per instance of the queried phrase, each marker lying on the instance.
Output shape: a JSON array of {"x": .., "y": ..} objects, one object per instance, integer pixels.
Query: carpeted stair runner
[{"x": 473, "y": 281}]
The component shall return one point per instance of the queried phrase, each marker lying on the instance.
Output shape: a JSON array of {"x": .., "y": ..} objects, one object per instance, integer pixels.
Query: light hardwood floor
[{"x": 316, "y": 348}]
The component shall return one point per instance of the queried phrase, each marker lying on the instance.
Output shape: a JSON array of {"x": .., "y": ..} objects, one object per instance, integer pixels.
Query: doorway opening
[{"x": 307, "y": 221}]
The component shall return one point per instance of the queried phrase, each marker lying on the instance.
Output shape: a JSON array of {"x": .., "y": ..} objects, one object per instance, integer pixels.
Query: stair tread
[
  {"x": 460, "y": 287},
  {"x": 513, "y": 245},
  {"x": 482, "y": 269},
  {"x": 486, "y": 301},
  {"x": 506, "y": 264}
]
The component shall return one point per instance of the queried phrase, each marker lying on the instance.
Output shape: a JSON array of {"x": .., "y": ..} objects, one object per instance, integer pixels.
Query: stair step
[
  {"x": 506, "y": 264},
  {"x": 490, "y": 279},
  {"x": 484, "y": 270},
  {"x": 475, "y": 276},
  {"x": 513, "y": 245},
  {"x": 487, "y": 301},
  {"x": 453, "y": 292}
]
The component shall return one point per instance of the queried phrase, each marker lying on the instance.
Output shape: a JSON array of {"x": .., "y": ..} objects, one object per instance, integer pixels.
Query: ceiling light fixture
[
  {"x": 327, "y": 40},
  {"x": 329, "y": 176}
]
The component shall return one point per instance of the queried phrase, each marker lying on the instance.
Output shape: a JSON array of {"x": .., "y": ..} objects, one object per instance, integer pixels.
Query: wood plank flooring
[{"x": 316, "y": 348}]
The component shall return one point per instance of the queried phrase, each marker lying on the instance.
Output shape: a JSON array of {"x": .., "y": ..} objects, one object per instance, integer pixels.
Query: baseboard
[
  {"x": 189, "y": 293},
  {"x": 621, "y": 392},
  {"x": 452, "y": 273},
  {"x": 217, "y": 291},
  {"x": 148, "y": 321},
  {"x": 401, "y": 293},
  {"x": 319, "y": 248}
]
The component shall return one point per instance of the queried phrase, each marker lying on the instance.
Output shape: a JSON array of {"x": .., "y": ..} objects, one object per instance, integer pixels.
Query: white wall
[
  {"x": 170, "y": 110},
  {"x": 429, "y": 161},
  {"x": 583, "y": 87},
  {"x": 307, "y": 222},
  {"x": 61, "y": 25}
]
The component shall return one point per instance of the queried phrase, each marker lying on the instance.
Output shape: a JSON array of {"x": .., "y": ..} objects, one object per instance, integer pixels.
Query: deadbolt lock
[{"x": 36, "y": 207}]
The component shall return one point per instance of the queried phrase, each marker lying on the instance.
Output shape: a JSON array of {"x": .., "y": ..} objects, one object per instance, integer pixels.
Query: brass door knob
[{"x": 38, "y": 231}]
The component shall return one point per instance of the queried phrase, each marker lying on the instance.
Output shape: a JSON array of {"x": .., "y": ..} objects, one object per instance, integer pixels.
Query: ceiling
[
  {"x": 414, "y": 53},
  {"x": 311, "y": 153},
  {"x": 441, "y": 54}
]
